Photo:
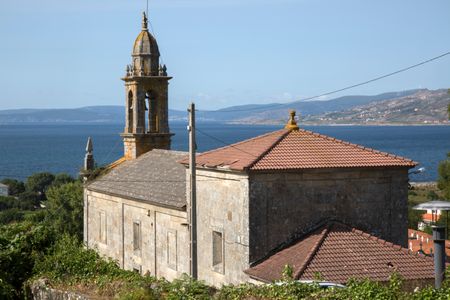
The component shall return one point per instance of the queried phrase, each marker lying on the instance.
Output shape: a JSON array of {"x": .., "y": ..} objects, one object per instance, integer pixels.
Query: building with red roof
[
  {"x": 258, "y": 201},
  {"x": 337, "y": 252},
  {"x": 255, "y": 196}
]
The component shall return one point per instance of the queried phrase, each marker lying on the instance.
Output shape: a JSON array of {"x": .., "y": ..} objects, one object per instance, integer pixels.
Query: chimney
[{"x": 439, "y": 255}]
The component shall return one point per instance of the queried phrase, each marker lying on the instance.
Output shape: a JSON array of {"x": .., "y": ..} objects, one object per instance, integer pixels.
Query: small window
[
  {"x": 172, "y": 249},
  {"x": 217, "y": 249},
  {"x": 136, "y": 236},
  {"x": 102, "y": 227}
]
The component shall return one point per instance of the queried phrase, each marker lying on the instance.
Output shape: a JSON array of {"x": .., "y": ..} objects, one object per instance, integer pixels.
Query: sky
[{"x": 66, "y": 54}]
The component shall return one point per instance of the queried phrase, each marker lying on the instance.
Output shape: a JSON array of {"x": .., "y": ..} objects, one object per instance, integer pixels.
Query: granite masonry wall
[
  {"x": 164, "y": 236},
  {"x": 222, "y": 207},
  {"x": 283, "y": 204}
]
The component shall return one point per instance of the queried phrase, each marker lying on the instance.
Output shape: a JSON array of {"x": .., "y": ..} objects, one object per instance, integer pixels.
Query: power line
[
  {"x": 347, "y": 87},
  {"x": 225, "y": 143}
]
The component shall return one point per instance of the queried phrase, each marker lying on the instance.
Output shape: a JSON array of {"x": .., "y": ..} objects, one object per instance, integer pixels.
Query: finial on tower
[
  {"x": 89, "y": 162},
  {"x": 292, "y": 123},
  {"x": 144, "y": 21}
]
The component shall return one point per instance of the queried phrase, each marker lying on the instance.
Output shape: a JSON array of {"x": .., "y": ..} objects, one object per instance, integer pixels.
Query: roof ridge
[
  {"x": 314, "y": 251},
  {"x": 234, "y": 145},
  {"x": 358, "y": 146},
  {"x": 274, "y": 144}
]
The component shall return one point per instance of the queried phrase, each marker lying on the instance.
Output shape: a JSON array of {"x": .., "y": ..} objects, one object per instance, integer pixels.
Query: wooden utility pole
[{"x": 193, "y": 196}]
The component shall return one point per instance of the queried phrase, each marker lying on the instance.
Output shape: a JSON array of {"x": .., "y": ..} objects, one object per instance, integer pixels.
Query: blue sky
[{"x": 60, "y": 54}]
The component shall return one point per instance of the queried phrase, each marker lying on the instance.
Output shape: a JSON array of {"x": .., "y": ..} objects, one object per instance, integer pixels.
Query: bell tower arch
[{"x": 146, "y": 105}]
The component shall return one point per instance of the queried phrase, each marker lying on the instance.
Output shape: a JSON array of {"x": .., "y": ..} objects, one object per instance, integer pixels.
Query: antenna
[{"x": 147, "y": 9}]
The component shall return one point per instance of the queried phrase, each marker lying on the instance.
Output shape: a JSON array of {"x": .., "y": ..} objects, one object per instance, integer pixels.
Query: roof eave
[{"x": 179, "y": 208}]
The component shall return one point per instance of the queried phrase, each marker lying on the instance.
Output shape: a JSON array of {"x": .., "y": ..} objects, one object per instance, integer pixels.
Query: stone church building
[{"x": 258, "y": 201}]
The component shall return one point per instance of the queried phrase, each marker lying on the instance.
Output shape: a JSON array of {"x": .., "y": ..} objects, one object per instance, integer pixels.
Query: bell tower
[{"x": 146, "y": 103}]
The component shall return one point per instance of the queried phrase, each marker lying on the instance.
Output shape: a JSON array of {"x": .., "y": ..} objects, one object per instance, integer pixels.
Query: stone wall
[
  {"x": 164, "y": 248},
  {"x": 39, "y": 290},
  {"x": 373, "y": 200},
  {"x": 222, "y": 206}
]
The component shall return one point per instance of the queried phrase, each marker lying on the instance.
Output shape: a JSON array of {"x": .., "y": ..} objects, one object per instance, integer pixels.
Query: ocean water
[{"x": 27, "y": 149}]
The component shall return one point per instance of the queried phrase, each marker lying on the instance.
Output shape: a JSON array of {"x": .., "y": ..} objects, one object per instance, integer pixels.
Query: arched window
[
  {"x": 130, "y": 112},
  {"x": 152, "y": 111}
]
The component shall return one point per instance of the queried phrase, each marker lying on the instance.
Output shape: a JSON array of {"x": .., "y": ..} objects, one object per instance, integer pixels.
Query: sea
[{"x": 28, "y": 149}]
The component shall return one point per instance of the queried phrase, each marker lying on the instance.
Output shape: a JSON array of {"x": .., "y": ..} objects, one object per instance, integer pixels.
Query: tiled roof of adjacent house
[
  {"x": 297, "y": 149},
  {"x": 421, "y": 242},
  {"x": 338, "y": 252},
  {"x": 154, "y": 177}
]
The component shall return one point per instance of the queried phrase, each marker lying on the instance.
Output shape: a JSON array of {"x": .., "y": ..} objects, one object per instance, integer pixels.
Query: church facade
[{"x": 254, "y": 198}]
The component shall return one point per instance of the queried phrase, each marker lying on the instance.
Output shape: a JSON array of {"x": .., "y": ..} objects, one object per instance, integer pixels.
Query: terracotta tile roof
[
  {"x": 430, "y": 217},
  {"x": 421, "y": 241},
  {"x": 339, "y": 252},
  {"x": 297, "y": 149},
  {"x": 241, "y": 155}
]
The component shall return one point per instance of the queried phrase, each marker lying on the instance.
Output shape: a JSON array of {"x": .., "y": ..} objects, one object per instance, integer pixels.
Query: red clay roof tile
[
  {"x": 297, "y": 149},
  {"x": 339, "y": 253}
]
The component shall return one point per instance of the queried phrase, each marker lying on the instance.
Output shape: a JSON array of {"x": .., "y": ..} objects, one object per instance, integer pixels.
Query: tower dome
[{"x": 145, "y": 52}]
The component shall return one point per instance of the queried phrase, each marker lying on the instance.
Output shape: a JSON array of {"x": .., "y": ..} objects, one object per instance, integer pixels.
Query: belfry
[{"x": 146, "y": 104}]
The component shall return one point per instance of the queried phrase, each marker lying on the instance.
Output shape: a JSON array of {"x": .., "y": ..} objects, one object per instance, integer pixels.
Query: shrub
[
  {"x": 39, "y": 182},
  {"x": 21, "y": 244},
  {"x": 65, "y": 209},
  {"x": 11, "y": 215}
]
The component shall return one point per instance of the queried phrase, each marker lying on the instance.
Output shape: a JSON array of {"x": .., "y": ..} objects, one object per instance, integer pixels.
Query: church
[{"x": 290, "y": 196}]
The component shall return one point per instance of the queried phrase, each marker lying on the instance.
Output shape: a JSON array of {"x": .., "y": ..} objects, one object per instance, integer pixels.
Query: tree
[
  {"x": 61, "y": 179},
  {"x": 39, "y": 183},
  {"x": 65, "y": 208},
  {"x": 28, "y": 200},
  {"x": 444, "y": 177},
  {"x": 15, "y": 186},
  {"x": 414, "y": 217}
]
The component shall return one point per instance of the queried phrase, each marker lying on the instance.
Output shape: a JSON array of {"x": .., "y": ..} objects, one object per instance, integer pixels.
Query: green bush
[
  {"x": 21, "y": 244},
  {"x": 11, "y": 215},
  {"x": 65, "y": 209},
  {"x": 69, "y": 261},
  {"x": 39, "y": 183},
  {"x": 61, "y": 179}
]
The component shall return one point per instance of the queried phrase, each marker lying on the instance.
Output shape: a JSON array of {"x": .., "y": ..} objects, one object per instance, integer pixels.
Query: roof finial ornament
[
  {"x": 292, "y": 123},
  {"x": 89, "y": 162},
  {"x": 144, "y": 21}
]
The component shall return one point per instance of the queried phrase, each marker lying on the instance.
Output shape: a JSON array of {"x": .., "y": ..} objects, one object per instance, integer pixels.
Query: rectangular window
[
  {"x": 172, "y": 249},
  {"x": 136, "y": 236},
  {"x": 217, "y": 251},
  {"x": 102, "y": 227}
]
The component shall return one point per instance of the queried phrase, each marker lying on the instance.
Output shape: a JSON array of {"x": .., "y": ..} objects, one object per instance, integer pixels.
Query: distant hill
[
  {"x": 422, "y": 107},
  {"x": 92, "y": 114},
  {"x": 411, "y": 107}
]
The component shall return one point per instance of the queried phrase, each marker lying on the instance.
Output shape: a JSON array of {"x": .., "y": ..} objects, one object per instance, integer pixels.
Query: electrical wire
[
  {"x": 342, "y": 89},
  {"x": 225, "y": 143}
]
